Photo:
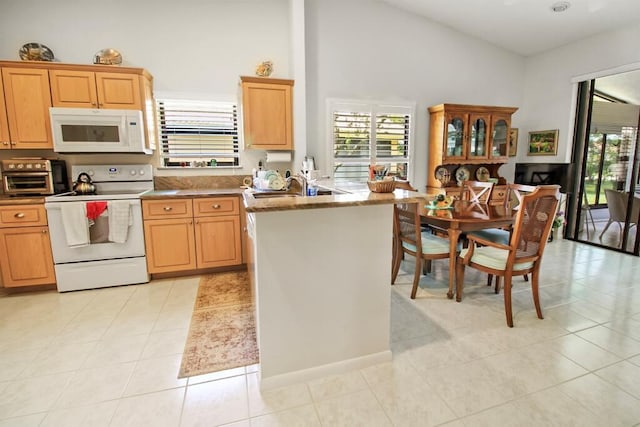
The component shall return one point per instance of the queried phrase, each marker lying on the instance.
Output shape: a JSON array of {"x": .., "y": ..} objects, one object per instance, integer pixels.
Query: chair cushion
[
  {"x": 494, "y": 258},
  {"x": 495, "y": 235},
  {"x": 431, "y": 245}
]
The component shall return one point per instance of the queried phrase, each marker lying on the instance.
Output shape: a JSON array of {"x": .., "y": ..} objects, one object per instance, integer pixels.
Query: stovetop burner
[{"x": 112, "y": 182}]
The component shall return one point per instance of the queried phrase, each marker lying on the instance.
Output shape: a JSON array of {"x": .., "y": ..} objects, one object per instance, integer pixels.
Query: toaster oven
[{"x": 35, "y": 177}]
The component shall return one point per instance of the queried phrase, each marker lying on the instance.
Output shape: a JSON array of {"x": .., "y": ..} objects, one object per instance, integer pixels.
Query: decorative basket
[{"x": 382, "y": 186}]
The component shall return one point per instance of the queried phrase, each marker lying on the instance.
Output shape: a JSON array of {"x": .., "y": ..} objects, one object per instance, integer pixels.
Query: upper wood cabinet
[
  {"x": 88, "y": 89},
  {"x": 5, "y": 138},
  {"x": 27, "y": 100},
  {"x": 31, "y": 87},
  {"x": 473, "y": 135},
  {"x": 267, "y": 113},
  {"x": 469, "y": 133}
]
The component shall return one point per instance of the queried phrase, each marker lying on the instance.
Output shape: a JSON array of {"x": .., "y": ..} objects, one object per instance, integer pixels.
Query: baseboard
[{"x": 343, "y": 366}]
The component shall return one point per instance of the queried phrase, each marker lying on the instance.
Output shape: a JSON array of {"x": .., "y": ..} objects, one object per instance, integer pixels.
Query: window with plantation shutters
[
  {"x": 198, "y": 133},
  {"x": 364, "y": 134}
]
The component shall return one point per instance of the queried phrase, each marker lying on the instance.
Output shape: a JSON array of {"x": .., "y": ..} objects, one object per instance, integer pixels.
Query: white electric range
[{"x": 101, "y": 263}]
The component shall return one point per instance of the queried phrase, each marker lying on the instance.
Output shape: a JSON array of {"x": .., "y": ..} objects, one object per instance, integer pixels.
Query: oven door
[
  {"x": 63, "y": 253},
  {"x": 27, "y": 183}
]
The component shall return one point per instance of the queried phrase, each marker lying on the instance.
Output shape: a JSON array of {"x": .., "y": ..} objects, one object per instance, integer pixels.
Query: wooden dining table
[{"x": 464, "y": 216}]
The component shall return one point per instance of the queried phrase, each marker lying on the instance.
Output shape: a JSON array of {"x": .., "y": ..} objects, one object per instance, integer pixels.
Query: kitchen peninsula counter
[{"x": 321, "y": 270}]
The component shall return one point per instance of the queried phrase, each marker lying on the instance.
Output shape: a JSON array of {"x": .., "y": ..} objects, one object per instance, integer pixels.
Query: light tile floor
[{"x": 111, "y": 357}]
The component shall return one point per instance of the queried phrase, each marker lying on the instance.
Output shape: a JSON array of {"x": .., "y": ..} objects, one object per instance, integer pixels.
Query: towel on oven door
[
  {"x": 95, "y": 209},
  {"x": 76, "y": 223},
  {"x": 120, "y": 219}
]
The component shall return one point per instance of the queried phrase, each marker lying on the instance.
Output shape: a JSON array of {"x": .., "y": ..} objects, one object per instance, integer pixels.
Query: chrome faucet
[{"x": 301, "y": 180}]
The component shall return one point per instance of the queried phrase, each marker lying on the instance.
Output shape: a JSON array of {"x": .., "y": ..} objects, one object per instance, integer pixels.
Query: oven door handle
[
  {"x": 55, "y": 205},
  {"x": 25, "y": 174}
]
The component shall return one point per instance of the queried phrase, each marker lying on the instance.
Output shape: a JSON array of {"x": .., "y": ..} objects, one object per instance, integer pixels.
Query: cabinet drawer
[
  {"x": 214, "y": 206},
  {"x": 167, "y": 208},
  {"x": 22, "y": 215}
]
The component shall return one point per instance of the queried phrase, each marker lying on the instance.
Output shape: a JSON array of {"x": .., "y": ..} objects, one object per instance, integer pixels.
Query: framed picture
[
  {"x": 513, "y": 142},
  {"x": 543, "y": 143}
]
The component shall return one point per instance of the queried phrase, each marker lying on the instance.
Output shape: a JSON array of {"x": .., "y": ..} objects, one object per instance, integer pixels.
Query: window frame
[
  {"x": 374, "y": 108},
  {"x": 199, "y": 98}
]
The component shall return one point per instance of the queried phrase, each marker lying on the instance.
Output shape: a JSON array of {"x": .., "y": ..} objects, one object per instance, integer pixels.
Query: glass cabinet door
[
  {"x": 478, "y": 137},
  {"x": 454, "y": 136},
  {"x": 499, "y": 137}
]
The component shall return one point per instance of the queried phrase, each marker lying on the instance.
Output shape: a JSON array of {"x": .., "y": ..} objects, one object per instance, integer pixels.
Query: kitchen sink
[{"x": 268, "y": 195}]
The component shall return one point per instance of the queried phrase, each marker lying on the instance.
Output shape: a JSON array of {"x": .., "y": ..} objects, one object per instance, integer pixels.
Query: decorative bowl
[{"x": 108, "y": 57}]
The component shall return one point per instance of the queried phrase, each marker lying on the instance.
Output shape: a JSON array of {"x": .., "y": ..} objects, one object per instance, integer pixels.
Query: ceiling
[
  {"x": 526, "y": 27},
  {"x": 529, "y": 27},
  {"x": 624, "y": 86}
]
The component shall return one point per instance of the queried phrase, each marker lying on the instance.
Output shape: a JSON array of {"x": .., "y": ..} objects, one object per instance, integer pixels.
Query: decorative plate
[
  {"x": 35, "y": 52},
  {"x": 482, "y": 174},
  {"x": 462, "y": 174},
  {"x": 441, "y": 173}
]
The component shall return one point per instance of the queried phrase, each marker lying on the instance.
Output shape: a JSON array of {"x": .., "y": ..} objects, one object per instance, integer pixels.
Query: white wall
[
  {"x": 363, "y": 49},
  {"x": 549, "y": 94},
  {"x": 203, "y": 46},
  {"x": 189, "y": 46}
]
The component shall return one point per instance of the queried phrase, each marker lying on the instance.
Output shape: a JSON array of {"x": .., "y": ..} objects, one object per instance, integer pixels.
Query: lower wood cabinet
[
  {"x": 189, "y": 234},
  {"x": 170, "y": 245},
  {"x": 25, "y": 246}
]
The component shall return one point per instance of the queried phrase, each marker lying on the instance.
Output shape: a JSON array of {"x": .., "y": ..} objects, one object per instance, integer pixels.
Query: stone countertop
[
  {"x": 350, "y": 194},
  {"x": 363, "y": 198},
  {"x": 344, "y": 194},
  {"x": 21, "y": 200},
  {"x": 192, "y": 193}
]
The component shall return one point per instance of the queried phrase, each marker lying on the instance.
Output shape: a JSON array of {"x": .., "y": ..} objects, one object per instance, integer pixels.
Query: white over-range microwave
[{"x": 86, "y": 130}]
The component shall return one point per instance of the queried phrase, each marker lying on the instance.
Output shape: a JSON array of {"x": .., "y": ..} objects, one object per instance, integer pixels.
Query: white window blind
[
  {"x": 198, "y": 131},
  {"x": 364, "y": 134}
]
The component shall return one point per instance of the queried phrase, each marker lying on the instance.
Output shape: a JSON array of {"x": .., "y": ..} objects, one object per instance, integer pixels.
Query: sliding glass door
[{"x": 605, "y": 208}]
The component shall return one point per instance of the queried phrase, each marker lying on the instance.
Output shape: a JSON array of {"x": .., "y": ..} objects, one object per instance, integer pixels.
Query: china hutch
[{"x": 468, "y": 142}]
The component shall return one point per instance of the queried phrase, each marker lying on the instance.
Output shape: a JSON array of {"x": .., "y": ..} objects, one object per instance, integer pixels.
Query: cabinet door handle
[
  {"x": 215, "y": 206},
  {"x": 19, "y": 215},
  {"x": 167, "y": 208},
  {"x": 44, "y": 231},
  {"x": 5, "y": 143}
]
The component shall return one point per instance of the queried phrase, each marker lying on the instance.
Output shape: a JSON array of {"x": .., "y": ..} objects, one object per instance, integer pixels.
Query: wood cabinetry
[
  {"x": 5, "y": 139},
  {"x": 25, "y": 247},
  {"x": 27, "y": 100},
  {"x": 189, "y": 234},
  {"x": 168, "y": 235},
  {"x": 467, "y": 136},
  {"x": 88, "y": 89},
  {"x": 267, "y": 113},
  {"x": 218, "y": 236},
  {"x": 30, "y": 88}
]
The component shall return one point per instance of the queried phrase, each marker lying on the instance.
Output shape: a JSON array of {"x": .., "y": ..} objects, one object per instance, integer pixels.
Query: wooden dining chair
[
  {"x": 523, "y": 254},
  {"x": 477, "y": 191},
  {"x": 411, "y": 239},
  {"x": 513, "y": 199}
]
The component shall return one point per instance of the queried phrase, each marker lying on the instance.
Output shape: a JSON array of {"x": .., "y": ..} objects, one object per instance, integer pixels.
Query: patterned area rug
[{"x": 222, "y": 333}]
